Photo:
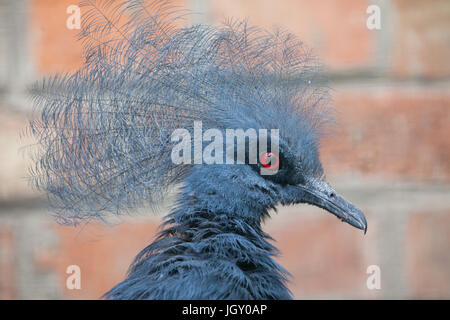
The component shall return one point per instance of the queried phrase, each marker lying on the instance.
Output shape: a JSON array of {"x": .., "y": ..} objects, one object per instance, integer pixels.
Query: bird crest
[{"x": 104, "y": 132}]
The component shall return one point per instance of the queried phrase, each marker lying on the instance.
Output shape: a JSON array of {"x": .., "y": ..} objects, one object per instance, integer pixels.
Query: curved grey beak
[{"x": 322, "y": 195}]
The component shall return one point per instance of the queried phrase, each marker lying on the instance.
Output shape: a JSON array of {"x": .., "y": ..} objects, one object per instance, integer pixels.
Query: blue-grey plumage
[{"x": 105, "y": 144}]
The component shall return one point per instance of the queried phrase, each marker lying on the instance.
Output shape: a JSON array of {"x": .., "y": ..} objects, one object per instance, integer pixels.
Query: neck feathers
[{"x": 206, "y": 255}]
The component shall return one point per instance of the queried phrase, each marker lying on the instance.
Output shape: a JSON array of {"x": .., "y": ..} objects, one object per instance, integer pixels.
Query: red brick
[
  {"x": 428, "y": 256},
  {"x": 54, "y": 45},
  {"x": 391, "y": 133},
  {"x": 422, "y": 38},
  {"x": 325, "y": 257},
  {"x": 336, "y": 30},
  {"x": 102, "y": 252},
  {"x": 7, "y": 263},
  {"x": 14, "y": 156}
]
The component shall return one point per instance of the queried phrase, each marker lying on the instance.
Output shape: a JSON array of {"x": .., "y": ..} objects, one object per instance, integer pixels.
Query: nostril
[{"x": 332, "y": 195}]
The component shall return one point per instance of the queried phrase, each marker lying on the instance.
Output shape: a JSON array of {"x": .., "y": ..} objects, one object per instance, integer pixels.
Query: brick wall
[{"x": 389, "y": 154}]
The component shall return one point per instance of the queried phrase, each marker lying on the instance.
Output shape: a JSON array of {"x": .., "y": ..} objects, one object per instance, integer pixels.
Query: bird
[{"x": 105, "y": 145}]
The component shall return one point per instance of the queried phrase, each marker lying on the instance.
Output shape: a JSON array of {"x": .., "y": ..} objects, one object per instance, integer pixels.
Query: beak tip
[
  {"x": 363, "y": 227},
  {"x": 359, "y": 222}
]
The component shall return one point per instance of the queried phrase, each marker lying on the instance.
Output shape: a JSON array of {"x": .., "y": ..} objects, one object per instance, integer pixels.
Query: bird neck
[
  {"x": 199, "y": 225},
  {"x": 226, "y": 241},
  {"x": 193, "y": 221}
]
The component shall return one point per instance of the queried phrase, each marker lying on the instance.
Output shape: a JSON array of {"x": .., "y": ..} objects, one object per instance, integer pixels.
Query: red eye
[{"x": 270, "y": 160}]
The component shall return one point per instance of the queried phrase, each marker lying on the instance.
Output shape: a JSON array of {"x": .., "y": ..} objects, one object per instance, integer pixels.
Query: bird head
[
  {"x": 106, "y": 132},
  {"x": 291, "y": 175}
]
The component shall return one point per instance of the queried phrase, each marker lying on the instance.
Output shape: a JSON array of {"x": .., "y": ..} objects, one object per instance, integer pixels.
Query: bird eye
[{"x": 270, "y": 160}]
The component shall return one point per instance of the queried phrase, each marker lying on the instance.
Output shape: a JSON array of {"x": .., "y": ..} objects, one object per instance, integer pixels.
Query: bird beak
[{"x": 320, "y": 194}]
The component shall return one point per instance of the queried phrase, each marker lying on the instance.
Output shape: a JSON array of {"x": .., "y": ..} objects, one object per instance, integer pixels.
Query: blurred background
[{"x": 390, "y": 154}]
